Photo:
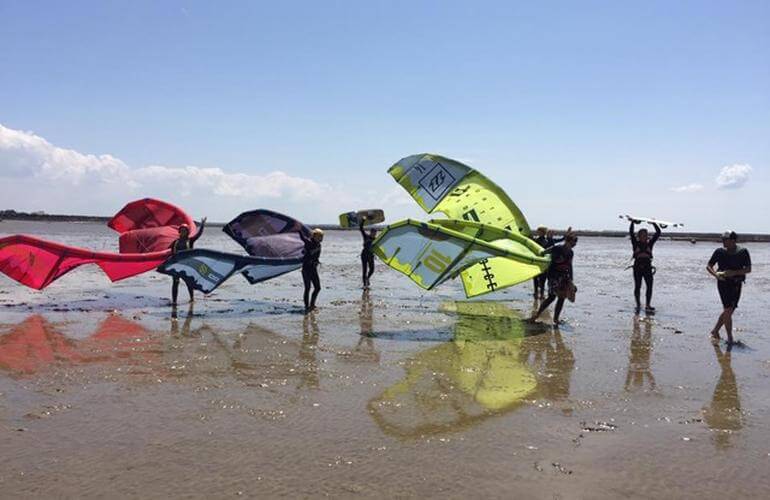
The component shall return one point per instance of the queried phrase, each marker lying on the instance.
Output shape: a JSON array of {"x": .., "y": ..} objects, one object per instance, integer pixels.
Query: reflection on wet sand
[
  {"x": 639, "y": 365},
  {"x": 481, "y": 373},
  {"x": 364, "y": 350},
  {"x": 553, "y": 363},
  {"x": 185, "y": 326},
  {"x": 35, "y": 344},
  {"x": 256, "y": 356},
  {"x": 723, "y": 415},
  {"x": 308, "y": 358}
]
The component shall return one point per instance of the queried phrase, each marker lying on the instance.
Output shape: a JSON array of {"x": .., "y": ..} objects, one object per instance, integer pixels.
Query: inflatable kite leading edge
[{"x": 147, "y": 228}]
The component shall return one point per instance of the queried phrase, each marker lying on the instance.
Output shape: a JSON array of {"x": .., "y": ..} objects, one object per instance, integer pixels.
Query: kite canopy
[
  {"x": 147, "y": 228},
  {"x": 264, "y": 233},
  {"x": 432, "y": 252},
  {"x": 270, "y": 238},
  {"x": 473, "y": 203},
  {"x": 207, "y": 269},
  {"x": 440, "y": 184}
]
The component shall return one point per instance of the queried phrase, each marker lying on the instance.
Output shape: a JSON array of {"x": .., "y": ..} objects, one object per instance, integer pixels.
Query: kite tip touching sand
[{"x": 147, "y": 227}]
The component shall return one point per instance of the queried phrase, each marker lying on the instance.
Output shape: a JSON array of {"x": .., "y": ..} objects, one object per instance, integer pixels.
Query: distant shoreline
[{"x": 675, "y": 236}]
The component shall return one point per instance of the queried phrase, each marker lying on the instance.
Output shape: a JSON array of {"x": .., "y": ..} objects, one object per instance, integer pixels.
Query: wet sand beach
[{"x": 394, "y": 392}]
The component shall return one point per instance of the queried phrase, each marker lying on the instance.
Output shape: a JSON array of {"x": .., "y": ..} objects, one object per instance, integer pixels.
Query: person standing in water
[
  {"x": 538, "y": 282},
  {"x": 560, "y": 285},
  {"x": 310, "y": 262},
  {"x": 643, "y": 270},
  {"x": 367, "y": 255},
  {"x": 545, "y": 238},
  {"x": 732, "y": 263},
  {"x": 184, "y": 242}
]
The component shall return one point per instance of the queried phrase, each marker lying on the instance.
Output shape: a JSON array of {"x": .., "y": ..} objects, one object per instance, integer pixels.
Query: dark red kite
[{"x": 147, "y": 228}]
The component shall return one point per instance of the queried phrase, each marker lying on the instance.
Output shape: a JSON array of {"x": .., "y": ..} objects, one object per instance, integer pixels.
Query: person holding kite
[
  {"x": 559, "y": 274},
  {"x": 184, "y": 242}
]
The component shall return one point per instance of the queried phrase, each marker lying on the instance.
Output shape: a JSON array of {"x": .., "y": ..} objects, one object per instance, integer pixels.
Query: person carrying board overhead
[
  {"x": 367, "y": 255},
  {"x": 184, "y": 242},
  {"x": 642, "y": 244},
  {"x": 733, "y": 264}
]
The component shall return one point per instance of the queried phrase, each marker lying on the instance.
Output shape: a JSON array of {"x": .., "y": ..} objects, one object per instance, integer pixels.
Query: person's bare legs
[
  {"x": 728, "y": 321},
  {"x": 720, "y": 322},
  {"x": 557, "y": 311},
  {"x": 547, "y": 302}
]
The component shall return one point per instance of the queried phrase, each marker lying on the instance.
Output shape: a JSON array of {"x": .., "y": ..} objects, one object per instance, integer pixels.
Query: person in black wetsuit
[
  {"x": 545, "y": 238},
  {"x": 643, "y": 270},
  {"x": 538, "y": 282},
  {"x": 310, "y": 263},
  {"x": 560, "y": 285},
  {"x": 367, "y": 256},
  {"x": 550, "y": 240},
  {"x": 184, "y": 242},
  {"x": 733, "y": 264}
]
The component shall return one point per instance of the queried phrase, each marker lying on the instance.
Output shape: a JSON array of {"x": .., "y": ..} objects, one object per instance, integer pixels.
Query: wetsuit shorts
[{"x": 729, "y": 292}]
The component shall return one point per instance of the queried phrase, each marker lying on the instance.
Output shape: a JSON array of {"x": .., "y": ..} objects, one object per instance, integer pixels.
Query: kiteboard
[
  {"x": 662, "y": 223},
  {"x": 369, "y": 217}
]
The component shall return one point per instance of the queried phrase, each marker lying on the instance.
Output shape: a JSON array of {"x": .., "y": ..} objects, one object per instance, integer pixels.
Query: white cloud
[
  {"x": 688, "y": 188},
  {"x": 26, "y": 158},
  {"x": 397, "y": 196},
  {"x": 733, "y": 176}
]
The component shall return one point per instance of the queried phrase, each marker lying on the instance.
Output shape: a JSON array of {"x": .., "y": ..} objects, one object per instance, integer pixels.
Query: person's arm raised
[{"x": 200, "y": 231}]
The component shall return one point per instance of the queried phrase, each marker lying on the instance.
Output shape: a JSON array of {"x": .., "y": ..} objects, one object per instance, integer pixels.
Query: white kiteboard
[
  {"x": 662, "y": 223},
  {"x": 353, "y": 219}
]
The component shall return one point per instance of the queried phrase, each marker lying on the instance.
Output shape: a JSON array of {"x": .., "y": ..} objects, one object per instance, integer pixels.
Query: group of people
[
  {"x": 729, "y": 265},
  {"x": 310, "y": 260}
]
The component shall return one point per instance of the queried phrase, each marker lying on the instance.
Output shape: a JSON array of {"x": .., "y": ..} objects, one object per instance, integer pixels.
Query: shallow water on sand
[{"x": 395, "y": 392}]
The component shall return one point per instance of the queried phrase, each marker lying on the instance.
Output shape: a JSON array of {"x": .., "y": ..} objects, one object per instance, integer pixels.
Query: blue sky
[{"x": 580, "y": 110}]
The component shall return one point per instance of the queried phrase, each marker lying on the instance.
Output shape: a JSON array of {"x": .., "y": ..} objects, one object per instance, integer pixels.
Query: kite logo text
[{"x": 437, "y": 181}]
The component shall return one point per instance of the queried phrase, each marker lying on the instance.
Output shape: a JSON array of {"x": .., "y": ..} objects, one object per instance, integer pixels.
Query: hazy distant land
[{"x": 41, "y": 216}]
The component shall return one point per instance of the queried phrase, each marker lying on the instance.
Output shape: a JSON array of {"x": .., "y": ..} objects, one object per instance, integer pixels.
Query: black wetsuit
[
  {"x": 179, "y": 246},
  {"x": 730, "y": 288},
  {"x": 367, "y": 256},
  {"x": 310, "y": 276},
  {"x": 539, "y": 281},
  {"x": 559, "y": 277},
  {"x": 643, "y": 269}
]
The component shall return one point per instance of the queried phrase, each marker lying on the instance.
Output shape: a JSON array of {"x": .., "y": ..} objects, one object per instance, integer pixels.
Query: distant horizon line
[{"x": 679, "y": 235}]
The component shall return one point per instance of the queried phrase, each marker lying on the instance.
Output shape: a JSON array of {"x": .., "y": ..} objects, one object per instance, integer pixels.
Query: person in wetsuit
[
  {"x": 538, "y": 282},
  {"x": 545, "y": 238},
  {"x": 184, "y": 242},
  {"x": 732, "y": 263},
  {"x": 643, "y": 270},
  {"x": 367, "y": 255},
  {"x": 551, "y": 240},
  {"x": 310, "y": 262},
  {"x": 560, "y": 285}
]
